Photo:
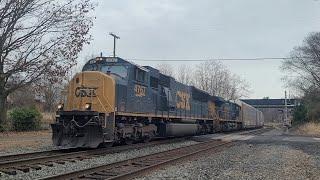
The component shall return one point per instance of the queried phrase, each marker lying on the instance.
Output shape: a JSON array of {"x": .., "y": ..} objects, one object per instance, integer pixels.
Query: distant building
[{"x": 273, "y": 109}]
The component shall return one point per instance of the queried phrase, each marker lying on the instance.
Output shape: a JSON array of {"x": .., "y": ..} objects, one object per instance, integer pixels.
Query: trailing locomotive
[{"x": 113, "y": 100}]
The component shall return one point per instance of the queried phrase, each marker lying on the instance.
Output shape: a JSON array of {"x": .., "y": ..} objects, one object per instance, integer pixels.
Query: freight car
[{"x": 115, "y": 101}]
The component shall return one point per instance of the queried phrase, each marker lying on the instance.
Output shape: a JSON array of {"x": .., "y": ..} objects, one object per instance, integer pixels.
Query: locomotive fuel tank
[{"x": 178, "y": 129}]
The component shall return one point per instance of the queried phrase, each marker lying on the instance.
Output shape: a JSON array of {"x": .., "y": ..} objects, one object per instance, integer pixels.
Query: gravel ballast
[
  {"x": 250, "y": 161},
  {"x": 272, "y": 155},
  {"x": 107, "y": 159}
]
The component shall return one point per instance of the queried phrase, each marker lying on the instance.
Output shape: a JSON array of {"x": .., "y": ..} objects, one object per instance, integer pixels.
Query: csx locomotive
[{"x": 115, "y": 101}]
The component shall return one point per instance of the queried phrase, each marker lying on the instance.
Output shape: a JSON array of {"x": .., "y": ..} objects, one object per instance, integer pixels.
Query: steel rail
[
  {"x": 24, "y": 162},
  {"x": 135, "y": 167},
  {"x": 13, "y": 157}
]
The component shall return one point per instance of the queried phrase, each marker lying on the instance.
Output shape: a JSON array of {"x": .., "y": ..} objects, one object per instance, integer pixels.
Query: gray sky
[{"x": 202, "y": 29}]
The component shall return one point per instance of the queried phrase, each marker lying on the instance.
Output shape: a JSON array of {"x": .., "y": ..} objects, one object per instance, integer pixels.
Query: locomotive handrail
[
  {"x": 107, "y": 101},
  {"x": 104, "y": 106},
  {"x": 75, "y": 122}
]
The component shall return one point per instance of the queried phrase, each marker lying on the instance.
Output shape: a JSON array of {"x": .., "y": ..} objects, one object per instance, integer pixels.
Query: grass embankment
[{"x": 308, "y": 129}]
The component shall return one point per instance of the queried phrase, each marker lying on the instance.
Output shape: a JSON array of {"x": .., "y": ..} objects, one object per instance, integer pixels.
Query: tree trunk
[
  {"x": 3, "y": 103},
  {"x": 3, "y": 98},
  {"x": 3, "y": 110}
]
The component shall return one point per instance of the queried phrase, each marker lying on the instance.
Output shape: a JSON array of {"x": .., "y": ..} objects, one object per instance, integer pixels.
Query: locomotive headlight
[
  {"x": 60, "y": 107},
  {"x": 88, "y": 106}
]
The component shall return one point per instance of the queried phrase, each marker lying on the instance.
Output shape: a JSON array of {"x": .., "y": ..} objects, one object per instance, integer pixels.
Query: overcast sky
[{"x": 202, "y": 29}]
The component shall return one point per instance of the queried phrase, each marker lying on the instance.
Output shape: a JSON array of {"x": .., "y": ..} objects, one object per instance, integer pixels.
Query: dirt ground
[
  {"x": 271, "y": 155},
  {"x": 14, "y": 142}
]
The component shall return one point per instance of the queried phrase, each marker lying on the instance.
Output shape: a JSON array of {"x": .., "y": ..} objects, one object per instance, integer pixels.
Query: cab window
[
  {"x": 90, "y": 67},
  {"x": 119, "y": 71},
  {"x": 140, "y": 75}
]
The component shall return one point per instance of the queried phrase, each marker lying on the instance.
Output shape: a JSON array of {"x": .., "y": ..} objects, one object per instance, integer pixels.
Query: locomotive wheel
[
  {"x": 129, "y": 141},
  {"x": 146, "y": 139},
  {"x": 106, "y": 144}
]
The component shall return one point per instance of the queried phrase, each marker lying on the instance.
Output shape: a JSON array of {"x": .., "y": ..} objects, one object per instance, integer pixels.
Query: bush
[
  {"x": 300, "y": 114},
  {"x": 25, "y": 119},
  {"x": 4, "y": 127}
]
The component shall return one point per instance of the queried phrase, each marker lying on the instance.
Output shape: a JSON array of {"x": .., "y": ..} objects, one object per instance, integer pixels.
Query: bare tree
[
  {"x": 166, "y": 69},
  {"x": 39, "y": 38},
  {"x": 238, "y": 88},
  {"x": 214, "y": 78},
  {"x": 184, "y": 74},
  {"x": 50, "y": 93},
  {"x": 23, "y": 97},
  {"x": 304, "y": 65},
  {"x": 303, "y": 73},
  {"x": 209, "y": 77}
]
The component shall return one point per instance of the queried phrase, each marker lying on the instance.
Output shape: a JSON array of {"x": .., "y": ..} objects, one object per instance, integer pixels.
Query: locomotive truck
[{"x": 116, "y": 101}]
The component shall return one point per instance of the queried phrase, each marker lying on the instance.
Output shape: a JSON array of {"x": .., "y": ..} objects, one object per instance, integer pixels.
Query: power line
[{"x": 216, "y": 59}]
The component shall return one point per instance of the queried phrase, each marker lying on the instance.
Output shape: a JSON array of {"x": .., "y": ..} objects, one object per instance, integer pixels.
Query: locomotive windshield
[
  {"x": 90, "y": 67},
  {"x": 107, "y": 65},
  {"x": 117, "y": 70}
]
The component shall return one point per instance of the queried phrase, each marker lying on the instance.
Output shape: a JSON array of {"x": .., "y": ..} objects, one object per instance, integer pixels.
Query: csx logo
[
  {"x": 211, "y": 109},
  {"x": 86, "y": 92},
  {"x": 183, "y": 100},
  {"x": 140, "y": 91}
]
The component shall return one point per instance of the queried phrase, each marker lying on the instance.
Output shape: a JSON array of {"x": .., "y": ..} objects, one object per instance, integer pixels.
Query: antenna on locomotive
[{"x": 115, "y": 37}]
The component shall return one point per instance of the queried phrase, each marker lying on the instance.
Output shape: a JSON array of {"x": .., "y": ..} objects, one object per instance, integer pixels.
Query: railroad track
[
  {"x": 14, "y": 157},
  {"x": 24, "y": 162},
  {"x": 131, "y": 168}
]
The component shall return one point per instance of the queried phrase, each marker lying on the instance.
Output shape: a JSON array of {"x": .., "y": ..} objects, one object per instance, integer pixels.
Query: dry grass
[
  {"x": 32, "y": 139},
  {"x": 274, "y": 125},
  {"x": 48, "y": 118},
  {"x": 310, "y": 129}
]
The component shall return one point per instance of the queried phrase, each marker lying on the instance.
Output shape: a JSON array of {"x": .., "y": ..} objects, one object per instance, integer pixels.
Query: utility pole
[
  {"x": 286, "y": 121},
  {"x": 115, "y": 37}
]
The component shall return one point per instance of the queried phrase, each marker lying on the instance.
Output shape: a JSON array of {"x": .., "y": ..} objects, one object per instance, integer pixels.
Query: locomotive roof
[
  {"x": 118, "y": 60},
  {"x": 113, "y": 61}
]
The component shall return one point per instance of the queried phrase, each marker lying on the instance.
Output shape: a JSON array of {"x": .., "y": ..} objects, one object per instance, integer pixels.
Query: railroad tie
[
  {"x": 36, "y": 167},
  {"x": 60, "y": 162},
  {"x": 108, "y": 173},
  {"x": 23, "y": 168},
  {"x": 81, "y": 158},
  {"x": 96, "y": 176},
  {"x": 71, "y": 160},
  {"x": 49, "y": 164},
  {"x": 142, "y": 163},
  {"x": 9, "y": 171}
]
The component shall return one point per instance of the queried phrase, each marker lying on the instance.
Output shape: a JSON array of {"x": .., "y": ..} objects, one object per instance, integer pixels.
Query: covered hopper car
[{"x": 115, "y": 101}]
